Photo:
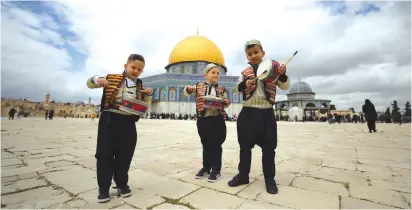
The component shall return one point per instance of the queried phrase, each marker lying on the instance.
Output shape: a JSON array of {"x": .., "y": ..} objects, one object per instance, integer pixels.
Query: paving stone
[
  {"x": 35, "y": 198},
  {"x": 170, "y": 206},
  {"x": 253, "y": 190},
  {"x": 160, "y": 185},
  {"x": 252, "y": 204},
  {"x": 20, "y": 185},
  {"x": 320, "y": 185},
  {"x": 10, "y": 162},
  {"x": 73, "y": 204},
  {"x": 75, "y": 180},
  {"x": 142, "y": 199},
  {"x": 124, "y": 207},
  {"x": 214, "y": 200},
  {"x": 21, "y": 170},
  {"x": 352, "y": 203},
  {"x": 378, "y": 195},
  {"x": 220, "y": 185},
  {"x": 402, "y": 187},
  {"x": 282, "y": 178},
  {"x": 292, "y": 197},
  {"x": 339, "y": 164},
  {"x": 59, "y": 163},
  {"x": 163, "y": 168}
]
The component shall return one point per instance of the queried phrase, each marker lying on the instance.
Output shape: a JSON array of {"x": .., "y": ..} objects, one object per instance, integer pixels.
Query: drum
[
  {"x": 267, "y": 71},
  {"x": 134, "y": 106},
  {"x": 212, "y": 102}
]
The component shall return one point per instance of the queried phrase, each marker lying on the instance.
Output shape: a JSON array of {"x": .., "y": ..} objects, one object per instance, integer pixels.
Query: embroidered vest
[
  {"x": 269, "y": 87},
  {"x": 115, "y": 85},
  {"x": 200, "y": 91}
]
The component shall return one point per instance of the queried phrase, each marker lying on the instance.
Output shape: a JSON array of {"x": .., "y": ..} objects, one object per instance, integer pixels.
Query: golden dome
[{"x": 196, "y": 48}]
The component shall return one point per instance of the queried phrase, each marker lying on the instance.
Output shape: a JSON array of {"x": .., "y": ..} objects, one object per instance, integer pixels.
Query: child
[
  {"x": 116, "y": 136},
  {"x": 211, "y": 125},
  {"x": 256, "y": 122}
]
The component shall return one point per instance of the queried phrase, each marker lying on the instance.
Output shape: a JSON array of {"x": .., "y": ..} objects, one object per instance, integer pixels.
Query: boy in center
[{"x": 256, "y": 124}]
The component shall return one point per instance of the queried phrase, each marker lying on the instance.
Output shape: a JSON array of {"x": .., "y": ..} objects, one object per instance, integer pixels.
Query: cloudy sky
[{"x": 348, "y": 51}]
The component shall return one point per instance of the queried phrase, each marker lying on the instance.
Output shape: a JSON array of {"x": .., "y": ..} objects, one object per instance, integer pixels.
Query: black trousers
[
  {"x": 116, "y": 142},
  {"x": 371, "y": 125},
  {"x": 212, "y": 132},
  {"x": 257, "y": 127}
]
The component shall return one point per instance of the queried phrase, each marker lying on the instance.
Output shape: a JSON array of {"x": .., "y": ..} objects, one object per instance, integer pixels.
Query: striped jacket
[
  {"x": 268, "y": 87},
  {"x": 200, "y": 91},
  {"x": 111, "y": 91}
]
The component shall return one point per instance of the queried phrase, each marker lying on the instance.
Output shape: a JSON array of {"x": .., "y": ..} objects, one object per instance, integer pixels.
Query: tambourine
[{"x": 268, "y": 70}]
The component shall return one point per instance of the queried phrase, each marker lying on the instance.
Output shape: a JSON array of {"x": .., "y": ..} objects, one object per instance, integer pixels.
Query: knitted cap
[
  {"x": 209, "y": 67},
  {"x": 252, "y": 42}
]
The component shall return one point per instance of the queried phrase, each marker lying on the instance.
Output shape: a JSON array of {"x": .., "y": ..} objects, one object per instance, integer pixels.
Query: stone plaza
[{"x": 51, "y": 164}]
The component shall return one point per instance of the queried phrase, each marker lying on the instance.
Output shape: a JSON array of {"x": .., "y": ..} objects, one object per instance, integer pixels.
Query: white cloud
[{"x": 345, "y": 58}]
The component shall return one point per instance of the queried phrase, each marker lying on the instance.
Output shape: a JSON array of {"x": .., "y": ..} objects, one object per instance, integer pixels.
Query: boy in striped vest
[
  {"x": 116, "y": 135},
  {"x": 256, "y": 124},
  {"x": 211, "y": 125}
]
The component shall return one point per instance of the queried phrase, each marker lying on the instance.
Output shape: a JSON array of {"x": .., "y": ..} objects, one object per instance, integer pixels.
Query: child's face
[
  {"x": 134, "y": 69},
  {"x": 213, "y": 75},
  {"x": 255, "y": 55}
]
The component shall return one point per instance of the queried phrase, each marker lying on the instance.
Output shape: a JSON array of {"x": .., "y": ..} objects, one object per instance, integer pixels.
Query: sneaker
[
  {"x": 103, "y": 197},
  {"x": 202, "y": 174},
  {"x": 238, "y": 180},
  {"x": 124, "y": 192},
  {"x": 271, "y": 187},
  {"x": 214, "y": 177}
]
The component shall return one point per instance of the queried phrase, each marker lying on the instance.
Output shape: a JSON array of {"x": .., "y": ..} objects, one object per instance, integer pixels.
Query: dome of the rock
[{"x": 196, "y": 48}]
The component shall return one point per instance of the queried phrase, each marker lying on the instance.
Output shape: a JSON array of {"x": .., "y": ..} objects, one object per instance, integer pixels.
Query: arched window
[{"x": 172, "y": 94}]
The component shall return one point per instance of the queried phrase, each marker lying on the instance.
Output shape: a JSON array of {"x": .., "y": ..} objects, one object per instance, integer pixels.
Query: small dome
[
  {"x": 196, "y": 48},
  {"x": 300, "y": 87}
]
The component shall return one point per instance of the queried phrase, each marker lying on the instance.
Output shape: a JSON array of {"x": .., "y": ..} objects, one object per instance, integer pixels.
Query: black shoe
[
  {"x": 103, "y": 196},
  {"x": 370, "y": 131},
  {"x": 124, "y": 191},
  {"x": 238, "y": 180},
  {"x": 271, "y": 187},
  {"x": 203, "y": 173},
  {"x": 214, "y": 176},
  {"x": 374, "y": 130}
]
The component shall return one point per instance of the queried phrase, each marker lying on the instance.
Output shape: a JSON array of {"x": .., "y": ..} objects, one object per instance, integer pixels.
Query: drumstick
[{"x": 291, "y": 58}]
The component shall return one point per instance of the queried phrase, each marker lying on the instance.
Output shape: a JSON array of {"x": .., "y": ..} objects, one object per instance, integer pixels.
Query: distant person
[
  {"x": 370, "y": 115},
  {"x": 12, "y": 112},
  {"x": 46, "y": 114}
]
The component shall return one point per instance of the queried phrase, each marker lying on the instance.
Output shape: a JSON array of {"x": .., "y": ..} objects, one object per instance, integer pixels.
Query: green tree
[
  {"x": 388, "y": 112},
  {"x": 395, "y": 109},
  {"x": 332, "y": 107},
  {"x": 407, "y": 109}
]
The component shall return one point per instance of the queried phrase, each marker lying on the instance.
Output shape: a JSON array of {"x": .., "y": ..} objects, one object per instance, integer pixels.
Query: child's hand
[
  {"x": 282, "y": 69},
  {"x": 148, "y": 91},
  {"x": 191, "y": 88},
  {"x": 102, "y": 82},
  {"x": 226, "y": 101},
  {"x": 250, "y": 82}
]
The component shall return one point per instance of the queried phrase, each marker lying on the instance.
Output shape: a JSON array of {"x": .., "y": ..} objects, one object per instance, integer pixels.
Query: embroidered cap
[
  {"x": 252, "y": 42},
  {"x": 209, "y": 67}
]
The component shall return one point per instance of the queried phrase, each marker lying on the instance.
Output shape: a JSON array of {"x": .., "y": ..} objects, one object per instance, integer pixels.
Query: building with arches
[
  {"x": 186, "y": 63},
  {"x": 301, "y": 102}
]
